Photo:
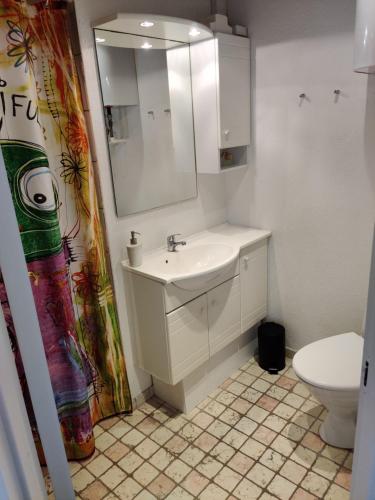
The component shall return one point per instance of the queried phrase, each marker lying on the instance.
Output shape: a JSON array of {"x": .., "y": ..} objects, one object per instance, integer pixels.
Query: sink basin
[{"x": 191, "y": 267}]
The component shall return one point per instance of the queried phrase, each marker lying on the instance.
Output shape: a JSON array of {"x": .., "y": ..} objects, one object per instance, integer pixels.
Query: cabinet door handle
[
  {"x": 246, "y": 260},
  {"x": 226, "y": 133}
]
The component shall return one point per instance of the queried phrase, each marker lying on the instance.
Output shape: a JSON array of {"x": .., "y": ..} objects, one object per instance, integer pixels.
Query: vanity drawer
[
  {"x": 187, "y": 338},
  {"x": 175, "y": 297}
]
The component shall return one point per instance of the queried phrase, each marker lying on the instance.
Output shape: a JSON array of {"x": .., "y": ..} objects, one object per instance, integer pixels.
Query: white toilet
[{"x": 331, "y": 369}]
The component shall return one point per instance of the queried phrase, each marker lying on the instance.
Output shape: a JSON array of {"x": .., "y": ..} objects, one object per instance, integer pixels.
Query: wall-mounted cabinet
[{"x": 221, "y": 100}]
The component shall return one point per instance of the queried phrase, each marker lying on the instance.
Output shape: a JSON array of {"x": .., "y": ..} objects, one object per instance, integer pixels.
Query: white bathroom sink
[{"x": 191, "y": 267}]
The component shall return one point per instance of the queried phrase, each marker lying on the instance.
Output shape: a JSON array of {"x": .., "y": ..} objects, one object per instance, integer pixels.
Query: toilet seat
[{"x": 333, "y": 363}]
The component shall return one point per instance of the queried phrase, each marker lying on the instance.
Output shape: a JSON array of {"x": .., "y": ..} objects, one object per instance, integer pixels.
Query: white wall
[
  {"x": 312, "y": 164},
  {"x": 187, "y": 217}
]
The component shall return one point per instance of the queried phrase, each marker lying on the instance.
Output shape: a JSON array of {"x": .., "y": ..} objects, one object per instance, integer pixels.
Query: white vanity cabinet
[
  {"x": 179, "y": 330},
  {"x": 221, "y": 101},
  {"x": 254, "y": 276}
]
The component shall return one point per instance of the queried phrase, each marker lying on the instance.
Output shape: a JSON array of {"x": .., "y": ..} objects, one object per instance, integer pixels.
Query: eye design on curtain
[{"x": 38, "y": 189}]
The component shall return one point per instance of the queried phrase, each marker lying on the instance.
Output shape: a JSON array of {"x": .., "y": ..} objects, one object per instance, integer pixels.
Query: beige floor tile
[
  {"x": 213, "y": 492},
  {"x": 206, "y": 441},
  {"x": 247, "y": 490},
  {"x": 240, "y": 463},
  {"x": 277, "y": 392},
  {"x": 161, "y": 415},
  {"x": 315, "y": 484},
  {"x": 275, "y": 423},
  {"x": 227, "y": 479},
  {"x": 136, "y": 417},
  {"x": 120, "y": 429},
  {"x": 257, "y": 414},
  {"x": 190, "y": 432},
  {"x": 301, "y": 494},
  {"x": 145, "y": 495},
  {"x": 104, "y": 441},
  {"x": 338, "y": 455},
  {"x": 267, "y": 496},
  {"x": 214, "y": 408},
  {"x": 344, "y": 478},
  {"x": 218, "y": 428},
  {"x": 97, "y": 431},
  {"x": 293, "y": 471},
  {"x": 146, "y": 448},
  {"x": 148, "y": 425},
  {"x": 230, "y": 416},
  {"x": 235, "y": 438},
  {"x": 270, "y": 377},
  {"x": 246, "y": 425},
  {"x": 286, "y": 382},
  {"x": 222, "y": 452},
  {"x": 255, "y": 369},
  {"x": 132, "y": 438},
  {"x": 145, "y": 474},
  {"x": 349, "y": 461},
  {"x": 192, "y": 455},
  {"x": 281, "y": 488},
  {"x": 283, "y": 445},
  {"x": 294, "y": 400},
  {"x": 303, "y": 420},
  {"x": 175, "y": 423},
  {"x": 113, "y": 477},
  {"x": 293, "y": 432},
  {"x": 264, "y": 435},
  {"x": 241, "y": 406},
  {"x": 251, "y": 395},
  {"x": 128, "y": 489},
  {"x": 96, "y": 491},
  {"x": 267, "y": 402},
  {"x": 179, "y": 494},
  {"x": 107, "y": 423},
  {"x": 161, "y": 435},
  {"x": 177, "y": 470},
  {"x": 253, "y": 449},
  {"x": 260, "y": 475},
  {"x": 325, "y": 467},
  {"x": 130, "y": 462},
  {"x": 176, "y": 445},
  {"x": 272, "y": 459},
  {"x": 304, "y": 456},
  {"x": 161, "y": 459},
  {"x": 194, "y": 483},
  {"x": 284, "y": 411},
  {"x": 209, "y": 467},
  {"x": 82, "y": 479},
  {"x": 335, "y": 492},
  {"x": 226, "y": 398},
  {"x": 261, "y": 385},
  {"x": 98, "y": 466},
  {"x": 301, "y": 390},
  {"x": 193, "y": 413},
  {"x": 161, "y": 486},
  {"x": 203, "y": 419},
  {"x": 236, "y": 388},
  {"x": 117, "y": 451},
  {"x": 312, "y": 408},
  {"x": 73, "y": 467},
  {"x": 245, "y": 378}
]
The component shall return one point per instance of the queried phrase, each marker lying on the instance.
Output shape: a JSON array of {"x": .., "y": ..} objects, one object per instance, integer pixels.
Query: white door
[
  {"x": 234, "y": 93},
  {"x": 363, "y": 483},
  {"x": 253, "y": 277},
  {"x": 188, "y": 338},
  {"x": 224, "y": 314}
]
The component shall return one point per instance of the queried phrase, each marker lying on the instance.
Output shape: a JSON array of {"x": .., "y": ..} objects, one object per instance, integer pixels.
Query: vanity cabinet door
[
  {"x": 224, "y": 315},
  {"x": 187, "y": 331},
  {"x": 253, "y": 277}
]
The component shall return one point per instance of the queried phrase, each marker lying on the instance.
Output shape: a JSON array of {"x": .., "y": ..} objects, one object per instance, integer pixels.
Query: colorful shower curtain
[{"x": 44, "y": 142}]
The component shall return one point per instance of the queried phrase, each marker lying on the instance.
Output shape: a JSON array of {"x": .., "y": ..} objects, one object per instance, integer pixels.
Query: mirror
[{"x": 148, "y": 109}]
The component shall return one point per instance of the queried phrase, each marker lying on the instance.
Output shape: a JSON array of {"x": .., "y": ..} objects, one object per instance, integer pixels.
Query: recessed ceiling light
[
  {"x": 194, "y": 32},
  {"x": 147, "y": 24},
  {"x": 146, "y": 45},
  {"x": 100, "y": 40}
]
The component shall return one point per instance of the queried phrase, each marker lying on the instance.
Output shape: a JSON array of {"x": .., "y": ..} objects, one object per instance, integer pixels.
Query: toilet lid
[{"x": 331, "y": 363}]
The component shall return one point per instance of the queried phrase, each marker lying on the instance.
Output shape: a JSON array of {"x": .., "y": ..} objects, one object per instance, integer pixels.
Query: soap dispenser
[{"x": 134, "y": 250}]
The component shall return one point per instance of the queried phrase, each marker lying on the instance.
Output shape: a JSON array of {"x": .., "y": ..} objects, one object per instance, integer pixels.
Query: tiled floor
[{"x": 253, "y": 438}]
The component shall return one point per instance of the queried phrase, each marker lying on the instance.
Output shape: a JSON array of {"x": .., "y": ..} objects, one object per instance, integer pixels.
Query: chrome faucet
[{"x": 172, "y": 243}]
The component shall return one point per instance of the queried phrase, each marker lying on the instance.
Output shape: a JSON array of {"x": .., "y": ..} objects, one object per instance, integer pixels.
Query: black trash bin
[{"x": 271, "y": 344}]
